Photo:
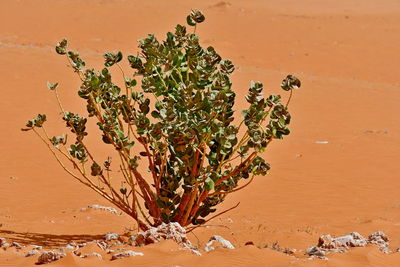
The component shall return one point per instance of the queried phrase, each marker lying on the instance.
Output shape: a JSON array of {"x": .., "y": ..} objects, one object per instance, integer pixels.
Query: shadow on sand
[{"x": 46, "y": 240}]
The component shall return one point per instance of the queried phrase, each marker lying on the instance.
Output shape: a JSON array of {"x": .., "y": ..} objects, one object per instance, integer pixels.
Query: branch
[
  {"x": 89, "y": 183},
  {"x": 238, "y": 168},
  {"x": 182, "y": 205},
  {"x": 151, "y": 163},
  {"x": 290, "y": 97},
  {"x": 213, "y": 217},
  {"x": 234, "y": 190},
  {"x": 163, "y": 164},
  {"x": 202, "y": 197},
  {"x": 193, "y": 195}
]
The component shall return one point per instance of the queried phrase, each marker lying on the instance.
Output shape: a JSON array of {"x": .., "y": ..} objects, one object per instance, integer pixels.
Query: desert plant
[{"x": 194, "y": 153}]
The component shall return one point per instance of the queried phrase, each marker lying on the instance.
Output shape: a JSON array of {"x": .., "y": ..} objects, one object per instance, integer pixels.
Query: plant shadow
[{"x": 46, "y": 240}]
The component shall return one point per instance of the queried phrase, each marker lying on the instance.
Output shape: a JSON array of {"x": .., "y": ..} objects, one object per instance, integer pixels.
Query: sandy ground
[{"x": 346, "y": 52}]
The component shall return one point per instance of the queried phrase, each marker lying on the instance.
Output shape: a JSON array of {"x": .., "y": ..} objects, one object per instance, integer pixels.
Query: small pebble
[
  {"x": 111, "y": 236},
  {"x": 128, "y": 253},
  {"x": 31, "y": 252}
]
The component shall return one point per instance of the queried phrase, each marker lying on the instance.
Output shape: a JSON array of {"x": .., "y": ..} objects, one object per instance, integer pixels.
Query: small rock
[
  {"x": 249, "y": 243},
  {"x": 164, "y": 231},
  {"x": 93, "y": 254},
  {"x": 31, "y": 252},
  {"x": 327, "y": 244},
  {"x": 115, "y": 243},
  {"x": 72, "y": 246},
  {"x": 111, "y": 236},
  {"x": 99, "y": 207},
  {"x": 69, "y": 247},
  {"x": 50, "y": 256},
  {"x": 3, "y": 241},
  {"x": 216, "y": 238},
  {"x": 351, "y": 240},
  {"x": 128, "y": 253},
  {"x": 101, "y": 244},
  {"x": 316, "y": 252},
  {"x": 192, "y": 250},
  {"x": 381, "y": 240},
  {"x": 378, "y": 238},
  {"x": 289, "y": 251},
  {"x": 4, "y": 244},
  {"x": 123, "y": 239},
  {"x": 16, "y": 245},
  {"x": 386, "y": 250},
  {"x": 321, "y": 142}
]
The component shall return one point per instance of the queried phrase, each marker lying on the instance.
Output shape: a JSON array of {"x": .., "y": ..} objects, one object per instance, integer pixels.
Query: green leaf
[
  {"x": 133, "y": 162},
  {"x": 77, "y": 63},
  {"x": 129, "y": 145},
  {"x": 130, "y": 83},
  {"x": 52, "y": 86},
  {"x": 118, "y": 57},
  {"x": 112, "y": 58},
  {"x": 136, "y": 63},
  {"x": 155, "y": 114},
  {"x": 123, "y": 191},
  {"x": 227, "y": 66},
  {"x": 39, "y": 120},
  {"x": 209, "y": 184},
  {"x": 95, "y": 169},
  {"x": 290, "y": 82},
  {"x": 61, "y": 47},
  {"x": 197, "y": 16},
  {"x": 94, "y": 81},
  {"x": 190, "y": 21},
  {"x": 58, "y": 140}
]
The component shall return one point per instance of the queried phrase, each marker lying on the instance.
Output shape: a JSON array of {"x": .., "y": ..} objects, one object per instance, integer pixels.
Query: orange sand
[{"x": 346, "y": 52}]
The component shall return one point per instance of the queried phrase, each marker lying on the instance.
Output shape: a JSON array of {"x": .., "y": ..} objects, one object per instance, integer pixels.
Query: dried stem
[
  {"x": 234, "y": 190},
  {"x": 213, "y": 217}
]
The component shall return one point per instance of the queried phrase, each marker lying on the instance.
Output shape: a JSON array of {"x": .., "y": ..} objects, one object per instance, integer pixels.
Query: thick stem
[
  {"x": 202, "y": 197},
  {"x": 182, "y": 205},
  {"x": 189, "y": 207},
  {"x": 163, "y": 164}
]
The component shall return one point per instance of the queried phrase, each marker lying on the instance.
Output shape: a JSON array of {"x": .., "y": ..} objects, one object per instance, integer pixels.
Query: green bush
[{"x": 193, "y": 151}]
